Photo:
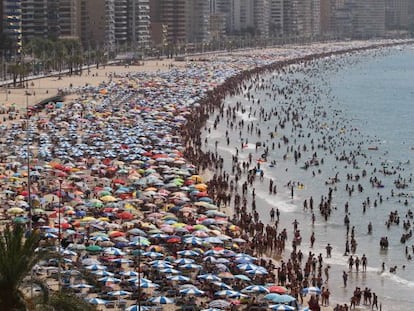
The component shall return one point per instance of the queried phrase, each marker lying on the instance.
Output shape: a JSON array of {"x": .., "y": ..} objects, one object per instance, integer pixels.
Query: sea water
[{"x": 348, "y": 103}]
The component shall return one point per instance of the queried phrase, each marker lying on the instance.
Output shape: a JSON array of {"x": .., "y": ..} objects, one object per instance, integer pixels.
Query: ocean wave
[
  {"x": 397, "y": 279},
  {"x": 283, "y": 206}
]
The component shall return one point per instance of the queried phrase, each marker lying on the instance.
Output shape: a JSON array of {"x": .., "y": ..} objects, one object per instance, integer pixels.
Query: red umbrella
[
  {"x": 174, "y": 240},
  {"x": 278, "y": 289},
  {"x": 125, "y": 215}
]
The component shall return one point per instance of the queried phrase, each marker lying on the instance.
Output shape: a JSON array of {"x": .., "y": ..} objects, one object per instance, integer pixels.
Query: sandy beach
[{"x": 43, "y": 88}]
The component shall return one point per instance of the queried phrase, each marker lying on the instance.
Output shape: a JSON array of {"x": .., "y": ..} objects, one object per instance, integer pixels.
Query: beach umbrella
[
  {"x": 188, "y": 253},
  {"x": 229, "y": 293},
  {"x": 121, "y": 260},
  {"x": 81, "y": 285},
  {"x": 255, "y": 289},
  {"x": 219, "y": 303},
  {"x": 190, "y": 266},
  {"x": 183, "y": 261},
  {"x": 209, "y": 277},
  {"x": 248, "y": 266},
  {"x": 191, "y": 291},
  {"x": 161, "y": 264},
  {"x": 15, "y": 210},
  {"x": 119, "y": 293},
  {"x": 114, "y": 251},
  {"x": 109, "y": 279},
  {"x": 179, "y": 278},
  {"x": 100, "y": 238},
  {"x": 103, "y": 273},
  {"x": 144, "y": 284},
  {"x": 138, "y": 308},
  {"x": 277, "y": 289},
  {"x": 170, "y": 270},
  {"x": 153, "y": 254},
  {"x": 281, "y": 307},
  {"x": 222, "y": 285},
  {"x": 311, "y": 290},
  {"x": 279, "y": 298},
  {"x": 257, "y": 272},
  {"x": 129, "y": 273},
  {"x": 93, "y": 248},
  {"x": 49, "y": 235},
  {"x": 97, "y": 301},
  {"x": 161, "y": 300},
  {"x": 96, "y": 267}
]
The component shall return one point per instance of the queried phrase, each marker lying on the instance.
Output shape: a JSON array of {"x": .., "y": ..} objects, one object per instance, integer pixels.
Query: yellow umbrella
[
  {"x": 88, "y": 219},
  {"x": 15, "y": 210},
  {"x": 201, "y": 187},
  {"x": 108, "y": 198},
  {"x": 197, "y": 178}
]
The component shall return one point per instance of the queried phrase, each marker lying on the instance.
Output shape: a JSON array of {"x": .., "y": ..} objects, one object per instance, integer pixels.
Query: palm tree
[{"x": 17, "y": 258}]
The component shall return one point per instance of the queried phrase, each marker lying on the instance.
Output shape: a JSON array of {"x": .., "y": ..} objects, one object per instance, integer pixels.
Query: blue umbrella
[
  {"x": 191, "y": 291},
  {"x": 161, "y": 300},
  {"x": 97, "y": 301},
  {"x": 190, "y": 266},
  {"x": 311, "y": 290},
  {"x": 209, "y": 277},
  {"x": 153, "y": 254},
  {"x": 257, "y": 272},
  {"x": 180, "y": 278},
  {"x": 129, "y": 273},
  {"x": 242, "y": 277},
  {"x": 170, "y": 270},
  {"x": 109, "y": 279},
  {"x": 279, "y": 298},
  {"x": 229, "y": 293},
  {"x": 222, "y": 285},
  {"x": 255, "y": 289},
  {"x": 96, "y": 267},
  {"x": 148, "y": 285},
  {"x": 81, "y": 285},
  {"x": 138, "y": 308},
  {"x": 281, "y": 307},
  {"x": 183, "y": 261},
  {"x": 119, "y": 293},
  {"x": 188, "y": 253},
  {"x": 247, "y": 266}
]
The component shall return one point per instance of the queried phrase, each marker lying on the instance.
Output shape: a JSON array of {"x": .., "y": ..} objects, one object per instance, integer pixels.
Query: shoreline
[
  {"x": 235, "y": 82},
  {"x": 229, "y": 86}
]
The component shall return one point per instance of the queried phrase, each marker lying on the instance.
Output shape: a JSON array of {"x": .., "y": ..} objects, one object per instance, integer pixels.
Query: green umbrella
[
  {"x": 20, "y": 220},
  {"x": 93, "y": 248}
]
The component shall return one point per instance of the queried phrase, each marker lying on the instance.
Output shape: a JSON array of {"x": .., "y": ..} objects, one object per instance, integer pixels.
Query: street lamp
[
  {"x": 28, "y": 161},
  {"x": 59, "y": 234},
  {"x": 139, "y": 274}
]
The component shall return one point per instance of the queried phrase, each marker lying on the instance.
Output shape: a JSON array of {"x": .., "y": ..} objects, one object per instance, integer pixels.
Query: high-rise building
[
  {"x": 220, "y": 16},
  {"x": 98, "y": 24},
  {"x": 197, "y": 21},
  {"x": 168, "y": 22},
  {"x": 368, "y": 18},
  {"x": 326, "y": 13},
  {"x": 121, "y": 22},
  {"x": 276, "y": 18},
  {"x": 261, "y": 17},
  {"x": 397, "y": 14},
  {"x": 34, "y": 18},
  {"x": 139, "y": 23},
  {"x": 12, "y": 23},
  {"x": 69, "y": 19}
]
